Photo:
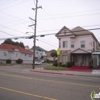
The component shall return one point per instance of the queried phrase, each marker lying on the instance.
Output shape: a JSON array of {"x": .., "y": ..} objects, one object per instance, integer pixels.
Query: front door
[{"x": 79, "y": 60}]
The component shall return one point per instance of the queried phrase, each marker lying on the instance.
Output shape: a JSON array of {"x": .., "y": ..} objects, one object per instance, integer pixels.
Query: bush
[
  {"x": 55, "y": 63},
  {"x": 19, "y": 61},
  {"x": 68, "y": 64},
  {"x": 48, "y": 61},
  {"x": 60, "y": 63},
  {"x": 63, "y": 65},
  {"x": 8, "y": 61}
]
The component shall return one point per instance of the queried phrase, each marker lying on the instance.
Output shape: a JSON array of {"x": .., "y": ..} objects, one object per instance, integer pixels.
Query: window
[
  {"x": 72, "y": 44},
  {"x": 5, "y": 54},
  {"x": 64, "y": 58},
  {"x": 16, "y": 55},
  {"x": 30, "y": 55},
  {"x": 82, "y": 44},
  {"x": 64, "y": 44}
]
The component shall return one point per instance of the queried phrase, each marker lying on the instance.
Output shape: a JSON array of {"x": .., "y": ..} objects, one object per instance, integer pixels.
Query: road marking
[
  {"x": 26, "y": 93},
  {"x": 50, "y": 80}
]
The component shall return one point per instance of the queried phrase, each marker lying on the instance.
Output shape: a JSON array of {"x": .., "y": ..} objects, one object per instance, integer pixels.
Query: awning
[{"x": 96, "y": 53}]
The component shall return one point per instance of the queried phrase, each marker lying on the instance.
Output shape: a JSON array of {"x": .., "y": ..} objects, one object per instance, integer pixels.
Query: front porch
[{"x": 80, "y": 57}]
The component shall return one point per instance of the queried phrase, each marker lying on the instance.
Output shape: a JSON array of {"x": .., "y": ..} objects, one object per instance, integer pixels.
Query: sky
[{"x": 14, "y": 19}]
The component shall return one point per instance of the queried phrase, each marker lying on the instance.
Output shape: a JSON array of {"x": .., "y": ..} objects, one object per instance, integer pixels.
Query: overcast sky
[{"x": 14, "y": 19}]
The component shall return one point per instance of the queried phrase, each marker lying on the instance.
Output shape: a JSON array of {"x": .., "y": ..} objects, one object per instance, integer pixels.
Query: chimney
[{"x": 27, "y": 47}]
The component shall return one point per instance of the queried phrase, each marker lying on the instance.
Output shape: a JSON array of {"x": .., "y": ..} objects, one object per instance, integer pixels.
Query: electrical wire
[
  {"x": 67, "y": 16},
  {"x": 12, "y": 29},
  {"x": 34, "y": 2},
  {"x": 46, "y": 43},
  {"x": 7, "y": 33},
  {"x": 42, "y": 35},
  {"x": 5, "y": 3},
  {"x": 14, "y": 5},
  {"x": 70, "y": 28}
]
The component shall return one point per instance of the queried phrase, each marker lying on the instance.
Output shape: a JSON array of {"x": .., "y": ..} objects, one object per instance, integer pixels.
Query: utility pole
[
  {"x": 34, "y": 38},
  {"x": 34, "y": 35}
]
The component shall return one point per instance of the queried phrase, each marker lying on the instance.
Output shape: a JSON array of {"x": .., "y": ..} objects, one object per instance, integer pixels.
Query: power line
[
  {"x": 79, "y": 12},
  {"x": 7, "y": 33},
  {"x": 70, "y": 28},
  {"x": 68, "y": 16},
  {"x": 14, "y": 5},
  {"x": 12, "y": 29},
  {"x": 49, "y": 16},
  {"x": 46, "y": 43},
  {"x": 43, "y": 35},
  {"x": 34, "y": 2},
  {"x": 49, "y": 41},
  {"x": 4, "y": 3}
]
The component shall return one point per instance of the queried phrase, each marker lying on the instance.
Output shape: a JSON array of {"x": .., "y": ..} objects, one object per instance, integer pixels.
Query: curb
[
  {"x": 51, "y": 72},
  {"x": 64, "y": 73}
]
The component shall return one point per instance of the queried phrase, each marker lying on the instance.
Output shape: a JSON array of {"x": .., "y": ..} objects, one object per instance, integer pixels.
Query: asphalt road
[{"x": 16, "y": 84}]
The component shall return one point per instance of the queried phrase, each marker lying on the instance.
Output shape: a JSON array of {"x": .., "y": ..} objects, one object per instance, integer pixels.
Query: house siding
[
  {"x": 14, "y": 55},
  {"x": 77, "y": 42},
  {"x": 78, "y": 57}
]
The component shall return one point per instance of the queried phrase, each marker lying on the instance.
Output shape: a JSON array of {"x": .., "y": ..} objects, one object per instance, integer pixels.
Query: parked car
[{"x": 38, "y": 62}]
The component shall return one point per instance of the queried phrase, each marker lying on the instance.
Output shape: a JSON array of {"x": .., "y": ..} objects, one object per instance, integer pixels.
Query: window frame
[
  {"x": 64, "y": 58},
  {"x": 65, "y": 44},
  {"x": 72, "y": 44},
  {"x": 82, "y": 44},
  {"x": 5, "y": 54}
]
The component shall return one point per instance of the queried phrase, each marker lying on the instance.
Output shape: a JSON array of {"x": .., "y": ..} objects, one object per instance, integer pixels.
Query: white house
[
  {"x": 8, "y": 51},
  {"x": 39, "y": 52}
]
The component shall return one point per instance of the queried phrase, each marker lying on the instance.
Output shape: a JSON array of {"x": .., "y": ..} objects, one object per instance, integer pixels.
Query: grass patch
[
  {"x": 2, "y": 64},
  {"x": 54, "y": 68}
]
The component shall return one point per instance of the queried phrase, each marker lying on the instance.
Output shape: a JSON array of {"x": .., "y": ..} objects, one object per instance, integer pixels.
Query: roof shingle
[{"x": 12, "y": 47}]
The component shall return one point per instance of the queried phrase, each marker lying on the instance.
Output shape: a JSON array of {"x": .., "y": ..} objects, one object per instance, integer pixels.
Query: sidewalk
[{"x": 65, "y": 72}]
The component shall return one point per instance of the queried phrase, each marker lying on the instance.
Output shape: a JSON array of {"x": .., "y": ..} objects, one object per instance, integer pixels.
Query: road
[{"x": 19, "y": 84}]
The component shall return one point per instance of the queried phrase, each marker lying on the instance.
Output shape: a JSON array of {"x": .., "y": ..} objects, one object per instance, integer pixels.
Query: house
[
  {"x": 39, "y": 52},
  {"x": 13, "y": 52},
  {"x": 49, "y": 57},
  {"x": 77, "y": 45},
  {"x": 96, "y": 56}
]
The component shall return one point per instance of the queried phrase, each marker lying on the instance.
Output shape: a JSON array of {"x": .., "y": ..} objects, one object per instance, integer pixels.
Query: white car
[{"x": 38, "y": 63}]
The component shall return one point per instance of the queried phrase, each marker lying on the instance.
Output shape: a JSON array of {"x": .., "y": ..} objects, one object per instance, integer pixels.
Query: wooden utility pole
[
  {"x": 34, "y": 38},
  {"x": 34, "y": 35}
]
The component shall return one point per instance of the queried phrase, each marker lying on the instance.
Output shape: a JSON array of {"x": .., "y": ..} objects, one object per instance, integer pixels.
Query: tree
[
  {"x": 9, "y": 41},
  {"x": 21, "y": 44},
  {"x": 54, "y": 55}
]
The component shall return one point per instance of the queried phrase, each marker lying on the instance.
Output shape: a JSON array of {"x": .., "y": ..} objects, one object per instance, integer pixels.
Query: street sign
[{"x": 58, "y": 51}]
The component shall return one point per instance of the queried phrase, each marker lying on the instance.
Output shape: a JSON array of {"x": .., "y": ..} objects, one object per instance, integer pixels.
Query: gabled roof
[
  {"x": 80, "y": 31},
  {"x": 62, "y": 30},
  {"x": 77, "y": 31},
  {"x": 38, "y": 48},
  {"x": 79, "y": 50},
  {"x": 10, "y": 47}
]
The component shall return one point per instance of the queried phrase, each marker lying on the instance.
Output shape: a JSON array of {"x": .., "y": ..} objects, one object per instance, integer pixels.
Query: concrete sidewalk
[{"x": 63, "y": 72}]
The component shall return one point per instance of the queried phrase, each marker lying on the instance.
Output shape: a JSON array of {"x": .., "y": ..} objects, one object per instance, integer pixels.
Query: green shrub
[
  {"x": 55, "y": 63},
  {"x": 48, "y": 61},
  {"x": 68, "y": 64},
  {"x": 63, "y": 65},
  {"x": 19, "y": 61},
  {"x": 8, "y": 61},
  {"x": 60, "y": 63}
]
